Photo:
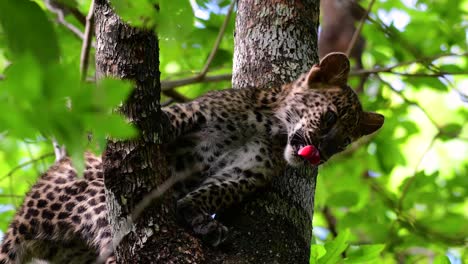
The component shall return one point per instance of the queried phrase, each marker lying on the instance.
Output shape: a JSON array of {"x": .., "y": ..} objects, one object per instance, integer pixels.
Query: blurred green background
[{"x": 399, "y": 196}]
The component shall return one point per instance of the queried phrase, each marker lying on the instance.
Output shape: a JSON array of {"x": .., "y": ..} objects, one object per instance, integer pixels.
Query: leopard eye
[
  {"x": 330, "y": 118},
  {"x": 347, "y": 141}
]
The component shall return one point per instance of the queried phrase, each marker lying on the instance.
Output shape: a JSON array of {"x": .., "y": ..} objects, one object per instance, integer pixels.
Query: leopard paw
[{"x": 211, "y": 231}]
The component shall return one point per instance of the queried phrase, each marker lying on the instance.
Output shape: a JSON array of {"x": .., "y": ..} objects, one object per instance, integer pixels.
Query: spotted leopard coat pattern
[{"x": 226, "y": 145}]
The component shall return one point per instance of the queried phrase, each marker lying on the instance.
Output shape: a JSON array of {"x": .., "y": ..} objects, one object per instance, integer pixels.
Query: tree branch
[
  {"x": 11, "y": 196},
  {"x": 408, "y": 221},
  {"x": 168, "y": 85},
  {"x": 330, "y": 219},
  {"x": 411, "y": 179},
  {"x": 86, "y": 46},
  {"x": 176, "y": 96},
  {"x": 61, "y": 19},
  {"x": 201, "y": 77},
  {"x": 218, "y": 40},
  {"x": 409, "y": 102},
  {"x": 423, "y": 60},
  {"x": 24, "y": 164},
  {"x": 67, "y": 9},
  {"x": 357, "y": 32}
]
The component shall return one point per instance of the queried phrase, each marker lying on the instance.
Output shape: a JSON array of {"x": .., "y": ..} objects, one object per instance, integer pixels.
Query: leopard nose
[{"x": 310, "y": 153}]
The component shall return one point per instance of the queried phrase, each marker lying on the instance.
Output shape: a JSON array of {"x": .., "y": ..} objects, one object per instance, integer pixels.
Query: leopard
[{"x": 225, "y": 146}]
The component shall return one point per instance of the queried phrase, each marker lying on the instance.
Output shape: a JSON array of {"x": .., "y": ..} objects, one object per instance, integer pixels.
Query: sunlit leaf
[
  {"x": 343, "y": 199},
  {"x": 335, "y": 247},
  {"x": 16, "y": 18},
  {"x": 364, "y": 253}
]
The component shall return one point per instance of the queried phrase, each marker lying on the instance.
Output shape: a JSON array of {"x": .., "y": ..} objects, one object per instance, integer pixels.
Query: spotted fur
[{"x": 226, "y": 145}]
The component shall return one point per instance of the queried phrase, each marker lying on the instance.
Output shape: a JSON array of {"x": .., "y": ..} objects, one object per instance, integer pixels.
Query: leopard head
[{"x": 321, "y": 110}]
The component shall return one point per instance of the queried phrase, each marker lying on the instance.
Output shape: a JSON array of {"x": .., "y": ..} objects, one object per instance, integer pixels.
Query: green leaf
[
  {"x": 175, "y": 19},
  {"x": 343, "y": 199},
  {"x": 452, "y": 68},
  {"x": 335, "y": 247},
  {"x": 17, "y": 19},
  {"x": 137, "y": 13},
  {"x": 110, "y": 125},
  {"x": 364, "y": 253},
  {"x": 430, "y": 82},
  {"x": 451, "y": 131},
  {"x": 441, "y": 259},
  {"x": 316, "y": 252},
  {"x": 111, "y": 92}
]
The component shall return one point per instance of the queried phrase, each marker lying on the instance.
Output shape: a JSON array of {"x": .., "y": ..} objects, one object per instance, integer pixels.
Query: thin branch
[
  {"x": 168, "y": 85},
  {"x": 86, "y": 46},
  {"x": 11, "y": 196},
  {"x": 390, "y": 69},
  {"x": 168, "y": 102},
  {"x": 409, "y": 222},
  {"x": 436, "y": 74},
  {"x": 66, "y": 9},
  {"x": 24, "y": 164},
  {"x": 176, "y": 96},
  {"x": 409, "y": 102},
  {"x": 392, "y": 34},
  {"x": 411, "y": 180},
  {"x": 61, "y": 19},
  {"x": 201, "y": 77},
  {"x": 357, "y": 32},
  {"x": 331, "y": 220},
  {"x": 218, "y": 40}
]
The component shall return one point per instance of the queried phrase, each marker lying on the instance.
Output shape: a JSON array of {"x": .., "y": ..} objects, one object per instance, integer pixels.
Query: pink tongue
[{"x": 310, "y": 153}]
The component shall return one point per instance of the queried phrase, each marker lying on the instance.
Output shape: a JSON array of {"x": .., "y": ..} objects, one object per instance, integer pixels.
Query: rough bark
[
  {"x": 275, "y": 41},
  {"x": 133, "y": 168}
]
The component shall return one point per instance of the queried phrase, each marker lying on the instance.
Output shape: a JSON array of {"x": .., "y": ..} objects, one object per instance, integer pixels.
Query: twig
[
  {"x": 176, "y": 96},
  {"x": 44, "y": 156},
  {"x": 86, "y": 46},
  {"x": 409, "y": 102},
  {"x": 201, "y": 77},
  {"x": 357, "y": 32},
  {"x": 61, "y": 19},
  {"x": 331, "y": 220},
  {"x": 419, "y": 60},
  {"x": 436, "y": 74},
  {"x": 408, "y": 46},
  {"x": 409, "y": 222},
  {"x": 168, "y": 102},
  {"x": 11, "y": 196},
  {"x": 168, "y": 85},
  {"x": 218, "y": 40},
  {"x": 411, "y": 179},
  {"x": 57, "y": 4},
  {"x": 2, "y": 77}
]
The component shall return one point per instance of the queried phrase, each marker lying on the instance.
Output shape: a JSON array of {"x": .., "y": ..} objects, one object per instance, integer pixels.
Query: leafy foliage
[{"x": 400, "y": 197}]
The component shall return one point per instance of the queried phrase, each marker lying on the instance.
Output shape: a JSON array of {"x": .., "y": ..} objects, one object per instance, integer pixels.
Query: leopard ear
[
  {"x": 333, "y": 69},
  {"x": 370, "y": 122}
]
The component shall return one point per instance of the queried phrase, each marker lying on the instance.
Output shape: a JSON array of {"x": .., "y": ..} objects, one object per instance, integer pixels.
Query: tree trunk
[
  {"x": 275, "y": 41},
  {"x": 133, "y": 168}
]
